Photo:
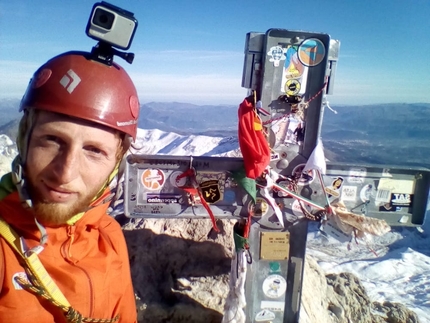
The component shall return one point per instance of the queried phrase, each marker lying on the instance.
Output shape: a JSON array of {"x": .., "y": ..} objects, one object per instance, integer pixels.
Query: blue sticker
[{"x": 229, "y": 196}]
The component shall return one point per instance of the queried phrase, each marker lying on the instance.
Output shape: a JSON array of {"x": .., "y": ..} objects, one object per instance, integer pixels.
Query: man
[{"x": 80, "y": 117}]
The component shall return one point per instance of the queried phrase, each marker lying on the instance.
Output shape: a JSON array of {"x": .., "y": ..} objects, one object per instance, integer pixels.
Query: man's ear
[
  {"x": 123, "y": 146},
  {"x": 26, "y": 125}
]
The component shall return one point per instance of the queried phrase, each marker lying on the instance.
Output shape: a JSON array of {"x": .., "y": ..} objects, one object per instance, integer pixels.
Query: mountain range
[
  {"x": 389, "y": 134},
  {"x": 393, "y": 134}
]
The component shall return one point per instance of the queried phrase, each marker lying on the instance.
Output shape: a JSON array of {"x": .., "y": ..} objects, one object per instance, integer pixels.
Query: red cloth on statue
[{"x": 252, "y": 142}]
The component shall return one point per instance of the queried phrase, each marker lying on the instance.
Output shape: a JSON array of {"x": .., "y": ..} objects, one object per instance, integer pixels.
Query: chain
[{"x": 308, "y": 215}]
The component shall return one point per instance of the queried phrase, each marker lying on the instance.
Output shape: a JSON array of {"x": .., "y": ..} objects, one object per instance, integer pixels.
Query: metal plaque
[{"x": 275, "y": 245}]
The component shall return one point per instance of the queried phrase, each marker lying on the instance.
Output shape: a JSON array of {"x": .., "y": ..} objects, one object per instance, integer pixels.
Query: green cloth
[
  {"x": 6, "y": 185},
  {"x": 247, "y": 183},
  {"x": 239, "y": 242}
]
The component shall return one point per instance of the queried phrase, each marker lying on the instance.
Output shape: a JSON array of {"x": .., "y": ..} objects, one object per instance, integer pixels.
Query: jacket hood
[{"x": 6, "y": 186}]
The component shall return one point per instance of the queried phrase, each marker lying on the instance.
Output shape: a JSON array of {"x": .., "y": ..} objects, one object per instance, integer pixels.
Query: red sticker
[{"x": 41, "y": 78}]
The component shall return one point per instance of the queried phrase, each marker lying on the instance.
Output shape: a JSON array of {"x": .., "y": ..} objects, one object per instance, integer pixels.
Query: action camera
[{"x": 112, "y": 25}]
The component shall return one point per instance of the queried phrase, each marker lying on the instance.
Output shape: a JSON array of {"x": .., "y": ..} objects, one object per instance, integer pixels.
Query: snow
[
  {"x": 8, "y": 151},
  {"x": 397, "y": 270},
  {"x": 400, "y": 272},
  {"x": 154, "y": 141}
]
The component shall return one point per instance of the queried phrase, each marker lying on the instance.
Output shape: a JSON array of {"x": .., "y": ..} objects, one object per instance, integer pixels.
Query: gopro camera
[{"x": 112, "y": 25}]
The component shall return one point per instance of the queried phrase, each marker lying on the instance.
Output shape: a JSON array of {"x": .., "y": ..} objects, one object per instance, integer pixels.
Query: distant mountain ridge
[
  {"x": 380, "y": 121},
  {"x": 181, "y": 118},
  {"x": 392, "y": 134},
  {"x": 9, "y": 110},
  {"x": 10, "y": 129}
]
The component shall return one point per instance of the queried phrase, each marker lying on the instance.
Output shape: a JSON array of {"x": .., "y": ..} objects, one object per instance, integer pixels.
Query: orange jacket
[{"x": 88, "y": 261}]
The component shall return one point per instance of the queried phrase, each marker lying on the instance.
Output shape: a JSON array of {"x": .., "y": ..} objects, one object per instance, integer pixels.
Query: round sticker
[
  {"x": 311, "y": 52},
  {"x": 367, "y": 192},
  {"x": 177, "y": 182},
  {"x": 274, "y": 286},
  {"x": 304, "y": 178},
  {"x": 153, "y": 179},
  {"x": 261, "y": 207},
  {"x": 292, "y": 87}
]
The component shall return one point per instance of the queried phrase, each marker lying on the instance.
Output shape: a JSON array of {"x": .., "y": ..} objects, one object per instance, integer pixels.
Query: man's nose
[{"x": 67, "y": 166}]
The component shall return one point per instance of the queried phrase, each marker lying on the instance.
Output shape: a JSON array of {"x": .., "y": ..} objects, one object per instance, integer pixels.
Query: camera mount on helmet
[{"x": 112, "y": 27}]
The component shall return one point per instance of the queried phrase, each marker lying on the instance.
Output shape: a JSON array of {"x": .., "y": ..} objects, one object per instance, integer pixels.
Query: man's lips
[{"x": 56, "y": 194}]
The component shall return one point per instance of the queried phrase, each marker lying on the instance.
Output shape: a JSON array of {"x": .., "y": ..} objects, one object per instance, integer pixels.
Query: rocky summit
[{"x": 181, "y": 271}]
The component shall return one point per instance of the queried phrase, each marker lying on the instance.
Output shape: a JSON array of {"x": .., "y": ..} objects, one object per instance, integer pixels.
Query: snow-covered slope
[
  {"x": 154, "y": 141},
  {"x": 394, "y": 267}
]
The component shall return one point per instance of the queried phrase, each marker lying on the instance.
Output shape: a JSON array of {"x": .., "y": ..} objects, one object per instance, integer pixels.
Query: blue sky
[{"x": 192, "y": 51}]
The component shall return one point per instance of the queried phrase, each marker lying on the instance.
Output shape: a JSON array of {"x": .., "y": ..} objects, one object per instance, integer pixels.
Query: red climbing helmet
[{"x": 75, "y": 85}]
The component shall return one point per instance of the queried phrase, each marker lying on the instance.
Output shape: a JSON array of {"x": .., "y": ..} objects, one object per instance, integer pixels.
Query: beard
[{"x": 57, "y": 214}]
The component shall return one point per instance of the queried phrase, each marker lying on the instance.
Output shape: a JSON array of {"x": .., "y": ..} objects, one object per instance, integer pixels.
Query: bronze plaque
[{"x": 275, "y": 245}]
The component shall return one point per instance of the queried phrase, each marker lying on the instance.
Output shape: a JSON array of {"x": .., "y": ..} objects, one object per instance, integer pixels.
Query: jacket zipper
[{"x": 67, "y": 254}]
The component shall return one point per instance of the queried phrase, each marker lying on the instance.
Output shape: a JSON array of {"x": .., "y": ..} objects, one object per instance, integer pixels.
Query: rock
[
  {"x": 346, "y": 290},
  {"x": 315, "y": 306},
  {"x": 180, "y": 268},
  {"x": 395, "y": 313}
]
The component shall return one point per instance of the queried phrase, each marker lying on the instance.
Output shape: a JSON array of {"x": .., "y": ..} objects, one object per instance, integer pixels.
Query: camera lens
[{"x": 103, "y": 18}]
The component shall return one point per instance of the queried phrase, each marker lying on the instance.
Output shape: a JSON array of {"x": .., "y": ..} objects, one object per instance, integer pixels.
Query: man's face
[{"x": 68, "y": 162}]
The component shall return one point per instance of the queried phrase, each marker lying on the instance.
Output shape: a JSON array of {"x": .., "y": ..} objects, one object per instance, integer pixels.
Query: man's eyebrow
[{"x": 102, "y": 144}]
